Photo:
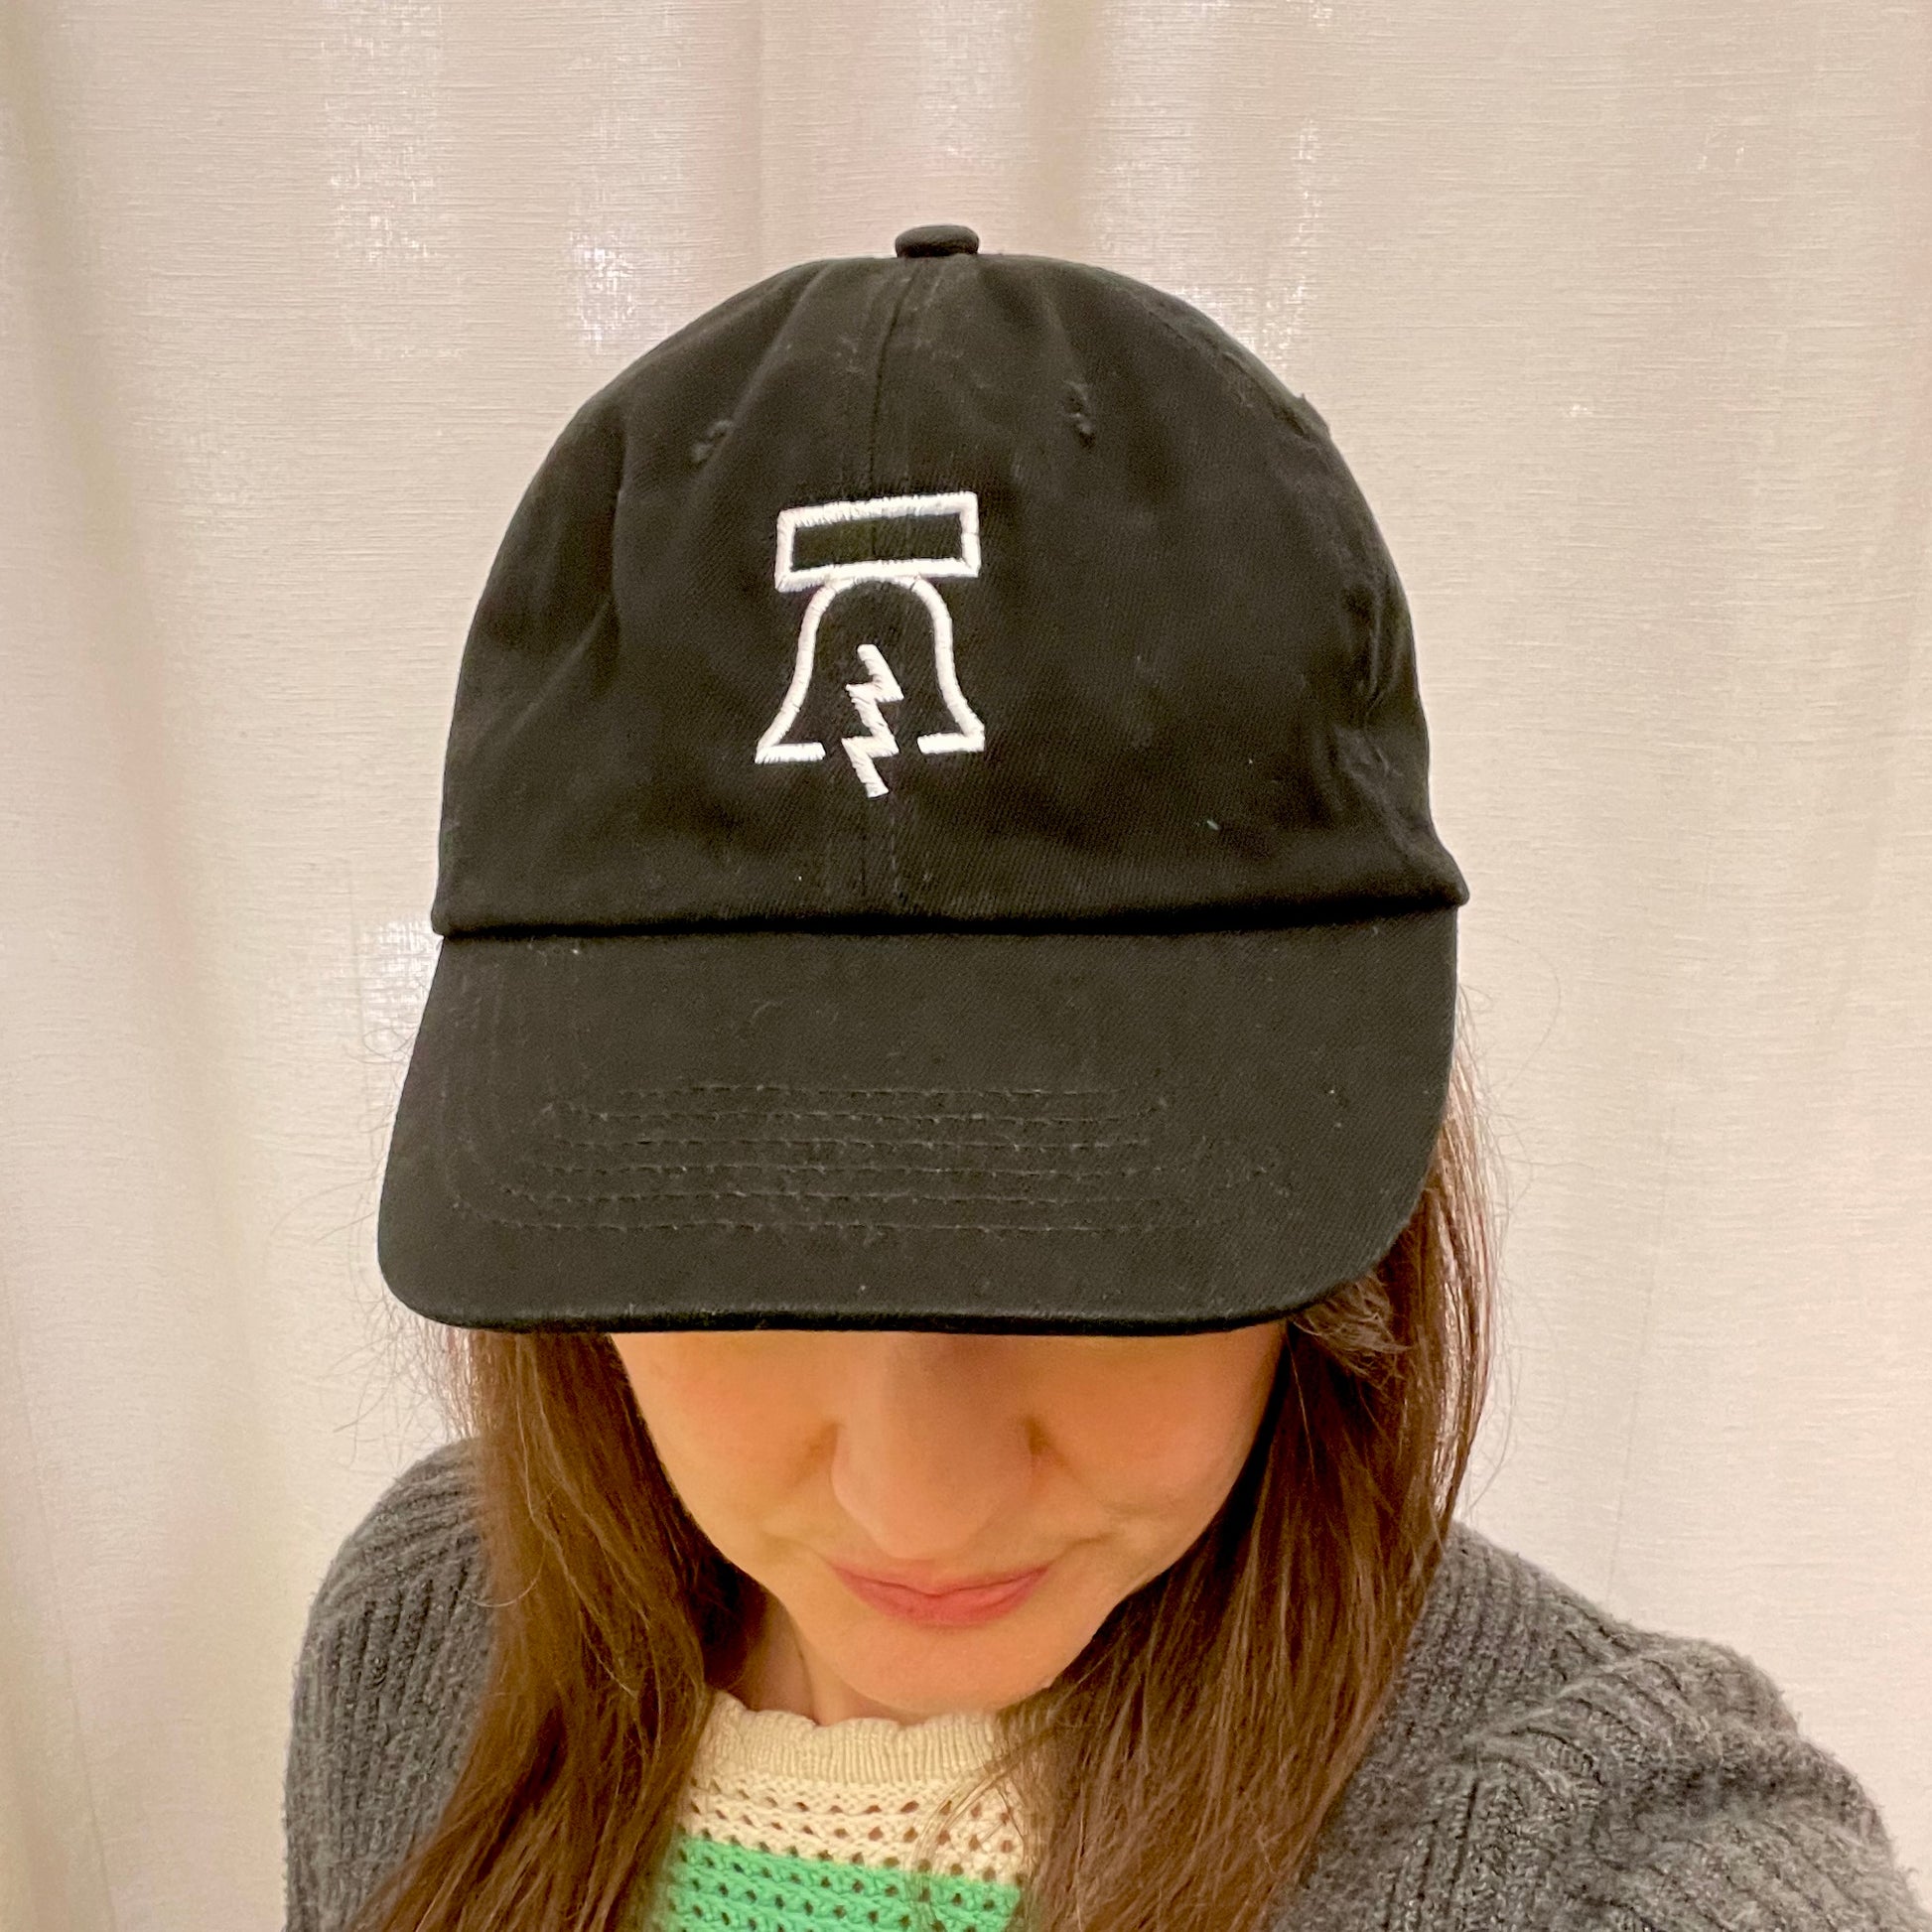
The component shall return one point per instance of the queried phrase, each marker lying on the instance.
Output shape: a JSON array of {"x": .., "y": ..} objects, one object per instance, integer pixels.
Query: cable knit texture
[{"x": 1541, "y": 1764}]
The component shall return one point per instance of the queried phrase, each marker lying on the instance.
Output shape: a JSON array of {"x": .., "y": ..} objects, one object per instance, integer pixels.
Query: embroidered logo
[{"x": 914, "y": 574}]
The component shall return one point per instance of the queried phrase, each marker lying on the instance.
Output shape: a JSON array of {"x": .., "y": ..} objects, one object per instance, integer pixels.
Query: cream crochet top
[{"x": 790, "y": 1825}]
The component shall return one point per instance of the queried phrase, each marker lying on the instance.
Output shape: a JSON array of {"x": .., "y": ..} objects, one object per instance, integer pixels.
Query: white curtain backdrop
[{"x": 1621, "y": 314}]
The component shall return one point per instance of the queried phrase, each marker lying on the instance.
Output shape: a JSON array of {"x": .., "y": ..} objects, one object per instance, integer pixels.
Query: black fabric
[
  {"x": 1134, "y": 656},
  {"x": 1186, "y": 642},
  {"x": 1121, "y": 1131}
]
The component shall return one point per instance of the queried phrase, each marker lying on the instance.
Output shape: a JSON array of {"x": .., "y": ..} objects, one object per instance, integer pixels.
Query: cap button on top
[{"x": 937, "y": 239}]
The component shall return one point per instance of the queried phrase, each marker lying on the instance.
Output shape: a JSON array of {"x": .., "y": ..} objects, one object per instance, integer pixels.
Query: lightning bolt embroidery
[{"x": 866, "y": 698}]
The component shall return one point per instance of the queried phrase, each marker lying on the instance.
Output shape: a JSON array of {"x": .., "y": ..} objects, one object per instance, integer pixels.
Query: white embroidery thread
[
  {"x": 909, "y": 573},
  {"x": 865, "y": 699}
]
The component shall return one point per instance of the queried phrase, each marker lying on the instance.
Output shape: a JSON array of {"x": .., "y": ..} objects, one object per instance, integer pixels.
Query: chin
[{"x": 923, "y": 1679}]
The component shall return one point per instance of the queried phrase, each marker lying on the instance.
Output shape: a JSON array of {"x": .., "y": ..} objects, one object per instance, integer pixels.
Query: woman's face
[{"x": 945, "y": 1456}]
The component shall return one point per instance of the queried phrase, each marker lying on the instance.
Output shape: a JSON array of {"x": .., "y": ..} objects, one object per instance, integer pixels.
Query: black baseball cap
[{"x": 935, "y": 835}]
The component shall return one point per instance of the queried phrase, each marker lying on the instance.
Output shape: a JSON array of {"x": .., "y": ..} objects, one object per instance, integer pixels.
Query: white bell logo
[{"x": 961, "y": 507}]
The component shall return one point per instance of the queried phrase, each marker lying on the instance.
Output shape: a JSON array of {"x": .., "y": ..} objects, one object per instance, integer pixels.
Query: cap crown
[{"x": 944, "y": 588}]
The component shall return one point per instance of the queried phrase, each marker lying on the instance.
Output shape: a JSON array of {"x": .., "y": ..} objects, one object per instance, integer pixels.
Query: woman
[{"x": 939, "y": 1148}]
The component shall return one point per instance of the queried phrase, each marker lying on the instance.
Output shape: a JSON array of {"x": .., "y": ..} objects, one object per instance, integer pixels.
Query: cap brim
[{"x": 1101, "y": 1131}]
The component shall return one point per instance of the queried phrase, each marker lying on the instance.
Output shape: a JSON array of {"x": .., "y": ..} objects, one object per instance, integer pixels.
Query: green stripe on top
[{"x": 737, "y": 1888}]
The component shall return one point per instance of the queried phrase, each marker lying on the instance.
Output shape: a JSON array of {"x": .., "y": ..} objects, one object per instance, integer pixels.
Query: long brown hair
[{"x": 1175, "y": 1776}]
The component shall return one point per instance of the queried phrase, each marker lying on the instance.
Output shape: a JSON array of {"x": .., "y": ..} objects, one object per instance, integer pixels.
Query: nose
[{"x": 934, "y": 1453}]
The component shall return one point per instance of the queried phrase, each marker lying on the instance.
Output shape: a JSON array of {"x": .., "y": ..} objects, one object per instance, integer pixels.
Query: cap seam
[{"x": 886, "y": 831}]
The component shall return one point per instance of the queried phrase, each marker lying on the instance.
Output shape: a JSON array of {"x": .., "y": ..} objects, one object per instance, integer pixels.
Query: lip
[
  {"x": 1004, "y": 1581},
  {"x": 947, "y": 1609}
]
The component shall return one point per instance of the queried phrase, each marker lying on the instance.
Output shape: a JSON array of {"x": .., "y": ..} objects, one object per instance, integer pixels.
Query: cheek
[
  {"x": 730, "y": 1441},
  {"x": 1169, "y": 1447}
]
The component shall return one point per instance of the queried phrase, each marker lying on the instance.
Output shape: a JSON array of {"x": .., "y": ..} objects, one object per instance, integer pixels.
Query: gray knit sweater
[{"x": 1542, "y": 1765}]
